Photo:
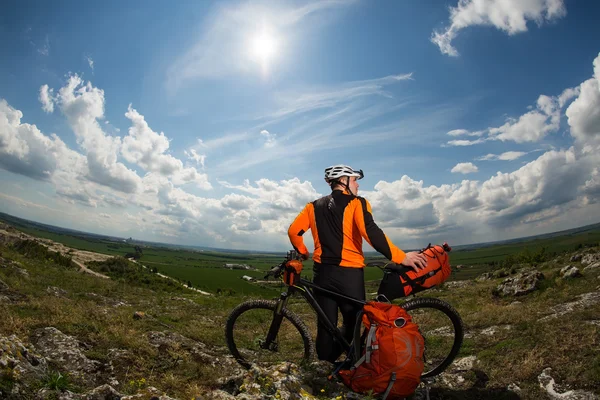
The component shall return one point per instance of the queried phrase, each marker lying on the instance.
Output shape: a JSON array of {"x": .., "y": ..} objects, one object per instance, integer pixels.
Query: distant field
[{"x": 204, "y": 269}]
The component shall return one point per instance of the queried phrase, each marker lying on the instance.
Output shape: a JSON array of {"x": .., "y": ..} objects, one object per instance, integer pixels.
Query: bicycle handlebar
[{"x": 276, "y": 271}]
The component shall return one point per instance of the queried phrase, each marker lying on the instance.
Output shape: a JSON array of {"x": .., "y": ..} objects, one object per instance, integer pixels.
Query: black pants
[{"x": 344, "y": 280}]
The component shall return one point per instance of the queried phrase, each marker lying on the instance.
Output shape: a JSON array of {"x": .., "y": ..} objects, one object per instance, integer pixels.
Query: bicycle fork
[{"x": 270, "y": 342}]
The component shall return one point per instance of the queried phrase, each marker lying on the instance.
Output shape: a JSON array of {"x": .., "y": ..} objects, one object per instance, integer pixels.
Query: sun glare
[{"x": 263, "y": 48}]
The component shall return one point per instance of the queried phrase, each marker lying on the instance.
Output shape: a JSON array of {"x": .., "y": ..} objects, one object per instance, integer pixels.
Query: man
[{"x": 338, "y": 223}]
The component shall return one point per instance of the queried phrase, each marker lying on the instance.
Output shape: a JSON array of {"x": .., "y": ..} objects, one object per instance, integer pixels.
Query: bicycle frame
[{"x": 305, "y": 287}]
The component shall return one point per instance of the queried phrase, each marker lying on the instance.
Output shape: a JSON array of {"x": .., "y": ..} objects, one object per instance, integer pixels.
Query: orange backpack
[
  {"x": 400, "y": 281},
  {"x": 392, "y": 356}
]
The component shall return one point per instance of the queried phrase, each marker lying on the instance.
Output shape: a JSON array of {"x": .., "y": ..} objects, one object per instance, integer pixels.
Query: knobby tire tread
[{"x": 309, "y": 347}]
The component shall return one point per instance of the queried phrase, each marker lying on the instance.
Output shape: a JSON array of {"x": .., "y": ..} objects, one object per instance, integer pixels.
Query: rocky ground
[{"x": 25, "y": 361}]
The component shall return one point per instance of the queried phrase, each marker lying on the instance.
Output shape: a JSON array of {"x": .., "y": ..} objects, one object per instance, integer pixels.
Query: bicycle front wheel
[
  {"x": 441, "y": 327},
  {"x": 246, "y": 332}
]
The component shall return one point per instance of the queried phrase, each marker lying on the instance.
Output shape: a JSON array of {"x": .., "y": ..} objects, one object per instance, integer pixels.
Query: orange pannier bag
[
  {"x": 392, "y": 356},
  {"x": 293, "y": 268},
  {"x": 400, "y": 281}
]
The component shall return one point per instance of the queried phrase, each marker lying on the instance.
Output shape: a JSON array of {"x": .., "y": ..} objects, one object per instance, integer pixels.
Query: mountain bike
[{"x": 268, "y": 331}]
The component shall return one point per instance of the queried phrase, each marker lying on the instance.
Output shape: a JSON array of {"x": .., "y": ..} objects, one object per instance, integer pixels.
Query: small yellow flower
[{"x": 322, "y": 390}]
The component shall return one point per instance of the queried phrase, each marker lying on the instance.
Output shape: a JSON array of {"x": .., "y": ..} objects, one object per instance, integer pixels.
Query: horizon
[
  {"x": 210, "y": 124},
  {"x": 258, "y": 251}
]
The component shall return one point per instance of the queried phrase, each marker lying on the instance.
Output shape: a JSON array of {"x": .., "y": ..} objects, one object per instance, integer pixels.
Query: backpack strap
[
  {"x": 369, "y": 347},
  {"x": 389, "y": 387}
]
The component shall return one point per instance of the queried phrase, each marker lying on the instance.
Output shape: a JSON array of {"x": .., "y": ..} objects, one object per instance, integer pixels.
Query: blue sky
[{"x": 210, "y": 123}]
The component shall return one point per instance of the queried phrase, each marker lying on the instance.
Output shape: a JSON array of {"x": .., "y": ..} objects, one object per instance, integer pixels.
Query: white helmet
[{"x": 337, "y": 171}]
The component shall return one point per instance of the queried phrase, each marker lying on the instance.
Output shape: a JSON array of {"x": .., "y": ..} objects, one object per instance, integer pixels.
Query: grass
[{"x": 100, "y": 313}]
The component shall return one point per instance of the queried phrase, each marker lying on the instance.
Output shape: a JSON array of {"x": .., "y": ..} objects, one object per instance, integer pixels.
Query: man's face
[{"x": 353, "y": 184}]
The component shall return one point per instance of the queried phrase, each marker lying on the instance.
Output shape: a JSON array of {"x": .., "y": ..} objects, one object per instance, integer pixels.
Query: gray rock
[
  {"x": 548, "y": 384},
  {"x": 22, "y": 362},
  {"x": 583, "y": 301},
  {"x": 590, "y": 258},
  {"x": 575, "y": 258},
  {"x": 458, "y": 284},
  {"x": 519, "y": 285},
  {"x": 592, "y": 266},
  {"x": 67, "y": 351},
  {"x": 570, "y": 272}
]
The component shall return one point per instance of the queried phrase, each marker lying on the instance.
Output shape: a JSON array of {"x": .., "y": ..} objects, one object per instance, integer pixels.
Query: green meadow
[{"x": 205, "y": 270}]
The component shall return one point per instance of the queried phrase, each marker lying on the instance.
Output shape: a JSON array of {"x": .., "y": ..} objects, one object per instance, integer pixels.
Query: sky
[{"x": 211, "y": 123}]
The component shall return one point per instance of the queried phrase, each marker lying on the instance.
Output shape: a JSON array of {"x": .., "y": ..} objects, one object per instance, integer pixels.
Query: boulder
[
  {"x": 21, "y": 364},
  {"x": 575, "y": 258},
  {"x": 570, "y": 272},
  {"x": 591, "y": 258},
  {"x": 67, "y": 352},
  {"x": 519, "y": 285}
]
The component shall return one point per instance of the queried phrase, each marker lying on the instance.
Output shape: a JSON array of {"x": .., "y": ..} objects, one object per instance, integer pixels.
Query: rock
[
  {"x": 570, "y": 272},
  {"x": 575, "y": 258},
  {"x": 3, "y": 286},
  {"x": 548, "y": 384},
  {"x": 54, "y": 291},
  {"x": 484, "y": 277},
  {"x": 457, "y": 284},
  {"x": 583, "y": 301},
  {"x": 519, "y": 285},
  {"x": 20, "y": 364},
  {"x": 513, "y": 387},
  {"x": 590, "y": 258},
  {"x": 492, "y": 330},
  {"x": 149, "y": 393},
  {"x": 67, "y": 351},
  {"x": 592, "y": 266}
]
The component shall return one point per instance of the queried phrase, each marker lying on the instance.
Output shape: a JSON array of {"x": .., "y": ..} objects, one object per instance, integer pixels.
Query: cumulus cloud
[
  {"x": 510, "y": 16},
  {"x": 584, "y": 112},
  {"x": 532, "y": 126},
  {"x": 464, "y": 168},
  {"x": 83, "y": 105},
  {"x": 47, "y": 99},
  {"x": 25, "y": 150}
]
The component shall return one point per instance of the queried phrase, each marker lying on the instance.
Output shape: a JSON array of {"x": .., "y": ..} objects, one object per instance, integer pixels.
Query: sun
[{"x": 263, "y": 48}]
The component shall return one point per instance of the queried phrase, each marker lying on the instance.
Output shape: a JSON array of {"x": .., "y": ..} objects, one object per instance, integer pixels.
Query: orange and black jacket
[{"x": 338, "y": 224}]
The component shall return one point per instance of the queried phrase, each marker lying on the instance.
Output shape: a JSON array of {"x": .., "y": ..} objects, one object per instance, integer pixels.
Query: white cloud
[
  {"x": 83, "y": 105},
  {"x": 90, "y": 62},
  {"x": 506, "y": 156},
  {"x": 25, "y": 150},
  {"x": 584, "y": 112},
  {"x": 464, "y": 143},
  {"x": 510, "y": 16},
  {"x": 270, "y": 138},
  {"x": 532, "y": 126},
  {"x": 198, "y": 158},
  {"x": 464, "y": 168},
  {"x": 47, "y": 99},
  {"x": 464, "y": 132},
  {"x": 147, "y": 149}
]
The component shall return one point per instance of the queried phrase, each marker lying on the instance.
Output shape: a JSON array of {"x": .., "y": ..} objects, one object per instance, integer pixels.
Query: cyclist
[{"x": 338, "y": 223}]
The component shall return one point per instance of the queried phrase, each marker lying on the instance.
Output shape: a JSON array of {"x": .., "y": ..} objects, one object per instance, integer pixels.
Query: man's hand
[
  {"x": 304, "y": 256},
  {"x": 415, "y": 260}
]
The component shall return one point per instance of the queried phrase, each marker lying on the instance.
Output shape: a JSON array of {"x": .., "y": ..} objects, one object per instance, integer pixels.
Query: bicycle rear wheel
[
  {"x": 246, "y": 331},
  {"x": 441, "y": 327}
]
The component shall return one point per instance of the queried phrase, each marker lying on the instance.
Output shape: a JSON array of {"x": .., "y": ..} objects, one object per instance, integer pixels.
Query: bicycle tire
[
  {"x": 270, "y": 305},
  {"x": 450, "y": 312}
]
